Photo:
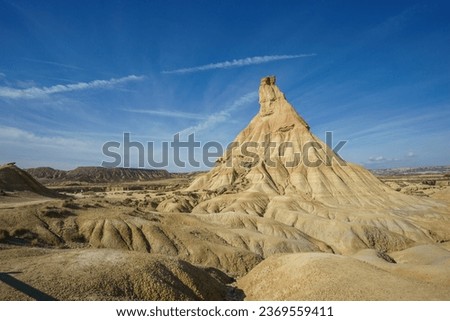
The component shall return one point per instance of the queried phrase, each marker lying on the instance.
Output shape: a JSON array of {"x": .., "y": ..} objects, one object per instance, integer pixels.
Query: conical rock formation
[
  {"x": 278, "y": 169},
  {"x": 278, "y": 155}
]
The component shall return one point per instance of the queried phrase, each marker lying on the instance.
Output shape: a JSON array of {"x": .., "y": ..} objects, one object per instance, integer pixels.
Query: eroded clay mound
[
  {"x": 14, "y": 179},
  {"x": 103, "y": 275},
  {"x": 321, "y": 276}
]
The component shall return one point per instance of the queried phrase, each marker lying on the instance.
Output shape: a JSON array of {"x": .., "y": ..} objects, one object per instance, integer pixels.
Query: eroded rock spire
[{"x": 273, "y": 101}]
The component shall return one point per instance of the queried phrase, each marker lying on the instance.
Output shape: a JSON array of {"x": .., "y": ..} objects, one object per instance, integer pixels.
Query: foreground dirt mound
[
  {"x": 102, "y": 275},
  {"x": 14, "y": 179},
  {"x": 320, "y": 276}
]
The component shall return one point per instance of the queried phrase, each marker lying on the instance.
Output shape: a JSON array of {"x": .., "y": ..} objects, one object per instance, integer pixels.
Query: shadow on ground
[{"x": 26, "y": 289}]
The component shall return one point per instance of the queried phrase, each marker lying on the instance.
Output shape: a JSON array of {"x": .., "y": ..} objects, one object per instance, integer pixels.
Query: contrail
[{"x": 237, "y": 63}]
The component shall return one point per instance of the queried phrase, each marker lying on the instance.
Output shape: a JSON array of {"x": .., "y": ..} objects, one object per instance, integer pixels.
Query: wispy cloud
[
  {"x": 410, "y": 155},
  {"x": 237, "y": 63},
  {"x": 381, "y": 159},
  {"x": 53, "y": 63},
  {"x": 221, "y": 116},
  {"x": 13, "y": 134},
  {"x": 167, "y": 113},
  {"x": 31, "y": 149},
  {"x": 37, "y": 92},
  {"x": 397, "y": 22}
]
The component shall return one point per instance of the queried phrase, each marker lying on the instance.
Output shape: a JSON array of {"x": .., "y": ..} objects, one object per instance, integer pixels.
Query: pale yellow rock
[
  {"x": 320, "y": 276},
  {"x": 339, "y": 203},
  {"x": 106, "y": 275}
]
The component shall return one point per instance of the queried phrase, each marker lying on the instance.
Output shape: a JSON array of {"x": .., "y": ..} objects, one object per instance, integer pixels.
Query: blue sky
[{"x": 77, "y": 74}]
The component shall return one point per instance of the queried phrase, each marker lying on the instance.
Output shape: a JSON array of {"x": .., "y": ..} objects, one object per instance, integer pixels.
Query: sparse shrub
[
  {"x": 4, "y": 235},
  {"x": 89, "y": 205},
  {"x": 79, "y": 239},
  {"x": 154, "y": 204},
  {"x": 57, "y": 213},
  {"x": 24, "y": 234},
  {"x": 70, "y": 204},
  {"x": 129, "y": 202},
  {"x": 73, "y": 235}
]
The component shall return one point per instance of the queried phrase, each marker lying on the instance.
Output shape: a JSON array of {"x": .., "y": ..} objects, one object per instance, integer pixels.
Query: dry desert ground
[{"x": 248, "y": 229}]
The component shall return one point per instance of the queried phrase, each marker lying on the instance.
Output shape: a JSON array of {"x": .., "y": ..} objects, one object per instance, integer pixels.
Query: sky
[{"x": 75, "y": 75}]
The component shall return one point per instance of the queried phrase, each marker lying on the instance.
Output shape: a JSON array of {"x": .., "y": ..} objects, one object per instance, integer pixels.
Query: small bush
[
  {"x": 71, "y": 205},
  {"x": 127, "y": 201},
  {"x": 73, "y": 235},
  {"x": 154, "y": 204},
  {"x": 24, "y": 234},
  {"x": 57, "y": 213},
  {"x": 4, "y": 235}
]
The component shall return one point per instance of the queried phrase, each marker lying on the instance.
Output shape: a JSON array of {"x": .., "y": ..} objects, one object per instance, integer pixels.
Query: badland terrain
[{"x": 283, "y": 222}]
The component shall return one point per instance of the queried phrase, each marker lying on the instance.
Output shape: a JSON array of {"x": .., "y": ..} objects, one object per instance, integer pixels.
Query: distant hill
[
  {"x": 92, "y": 174},
  {"x": 412, "y": 170},
  {"x": 14, "y": 179}
]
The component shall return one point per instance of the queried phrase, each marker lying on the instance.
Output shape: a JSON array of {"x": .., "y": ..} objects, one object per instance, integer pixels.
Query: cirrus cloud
[
  {"x": 237, "y": 63},
  {"x": 38, "y": 92},
  {"x": 222, "y": 116}
]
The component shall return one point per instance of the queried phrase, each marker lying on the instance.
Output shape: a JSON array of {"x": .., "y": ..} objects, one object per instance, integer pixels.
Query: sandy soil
[{"x": 41, "y": 236}]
